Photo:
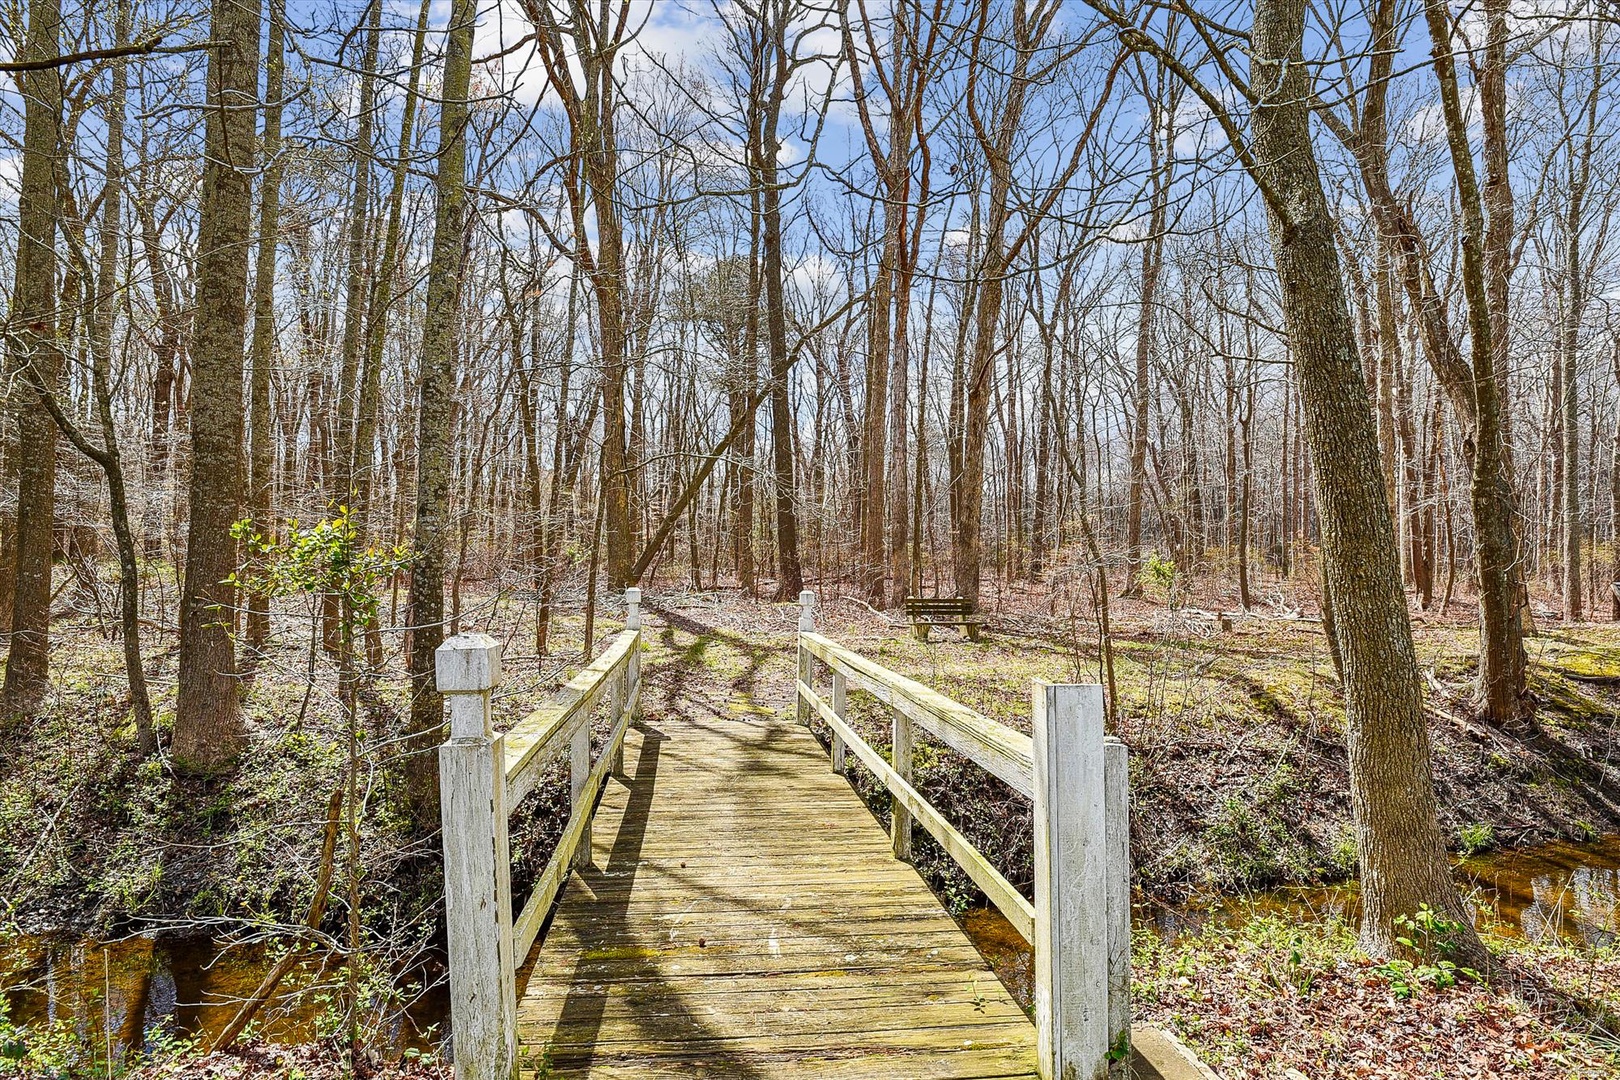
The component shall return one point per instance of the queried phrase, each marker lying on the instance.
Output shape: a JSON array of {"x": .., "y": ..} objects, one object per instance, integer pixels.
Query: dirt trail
[{"x": 701, "y": 665}]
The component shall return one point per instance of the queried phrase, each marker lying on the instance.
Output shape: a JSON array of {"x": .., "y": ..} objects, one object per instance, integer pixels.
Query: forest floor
[{"x": 1238, "y": 785}]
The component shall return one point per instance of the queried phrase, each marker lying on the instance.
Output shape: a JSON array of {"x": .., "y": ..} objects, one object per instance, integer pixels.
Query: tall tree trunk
[
  {"x": 207, "y": 724},
  {"x": 740, "y": 412},
  {"x": 1141, "y": 389},
  {"x": 987, "y": 317},
  {"x": 1028, "y": 27},
  {"x": 562, "y": 476},
  {"x": 990, "y": 282},
  {"x": 356, "y": 263},
  {"x": 1503, "y": 666},
  {"x": 874, "y": 429},
  {"x": 164, "y": 370},
  {"x": 1402, "y": 853},
  {"x": 261, "y": 448},
  {"x": 789, "y": 574},
  {"x": 1496, "y": 196},
  {"x": 916, "y": 37},
  {"x": 1579, "y": 156},
  {"x": 588, "y": 41},
  {"x": 436, "y": 419},
  {"x": 362, "y": 481},
  {"x": 1476, "y": 390},
  {"x": 129, "y": 585},
  {"x": 1614, "y": 495},
  {"x": 35, "y": 355},
  {"x": 1569, "y": 402},
  {"x": 898, "y": 483}
]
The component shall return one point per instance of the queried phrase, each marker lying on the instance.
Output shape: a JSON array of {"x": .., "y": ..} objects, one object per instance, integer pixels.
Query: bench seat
[{"x": 928, "y": 612}]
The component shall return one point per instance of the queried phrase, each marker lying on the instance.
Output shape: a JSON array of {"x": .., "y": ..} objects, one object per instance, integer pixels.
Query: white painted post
[
  {"x": 1117, "y": 808},
  {"x": 807, "y": 625},
  {"x": 632, "y": 604},
  {"x": 839, "y": 691},
  {"x": 1072, "y": 919},
  {"x": 632, "y": 670},
  {"x": 900, "y": 758},
  {"x": 477, "y": 863},
  {"x": 579, "y": 771}
]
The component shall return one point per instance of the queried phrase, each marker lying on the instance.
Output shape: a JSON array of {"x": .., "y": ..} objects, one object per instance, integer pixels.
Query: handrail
[
  {"x": 483, "y": 776},
  {"x": 1008, "y": 900},
  {"x": 576, "y": 838},
  {"x": 544, "y": 733},
  {"x": 1004, "y": 752},
  {"x": 1078, "y": 780}
]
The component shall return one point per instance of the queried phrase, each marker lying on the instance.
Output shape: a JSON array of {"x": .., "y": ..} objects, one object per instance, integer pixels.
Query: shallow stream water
[
  {"x": 1555, "y": 891},
  {"x": 133, "y": 992}
]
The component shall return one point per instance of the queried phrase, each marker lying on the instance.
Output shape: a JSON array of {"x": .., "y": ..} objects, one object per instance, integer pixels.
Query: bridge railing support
[
  {"x": 1082, "y": 886},
  {"x": 482, "y": 777},
  {"x": 807, "y": 624},
  {"x": 477, "y": 863},
  {"x": 1079, "y": 781}
]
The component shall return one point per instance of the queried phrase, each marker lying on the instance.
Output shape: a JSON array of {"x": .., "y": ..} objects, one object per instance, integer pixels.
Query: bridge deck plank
[{"x": 743, "y": 916}]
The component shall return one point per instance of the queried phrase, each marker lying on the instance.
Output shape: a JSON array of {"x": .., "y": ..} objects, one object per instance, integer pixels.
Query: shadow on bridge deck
[{"x": 743, "y": 916}]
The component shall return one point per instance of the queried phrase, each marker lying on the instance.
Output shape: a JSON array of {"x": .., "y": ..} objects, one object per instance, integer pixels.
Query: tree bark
[
  {"x": 261, "y": 448},
  {"x": 164, "y": 371},
  {"x": 357, "y": 265},
  {"x": 990, "y": 280},
  {"x": 208, "y": 729},
  {"x": 789, "y": 574},
  {"x": 1475, "y": 389},
  {"x": 1579, "y": 156},
  {"x": 590, "y": 40},
  {"x": 1503, "y": 666},
  {"x": 35, "y": 355},
  {"x": 435, "y": 421},
  {"x": 1141, "y": 389},
  {"x": 111, "y": 460},
  {"x": 1402, "y": 853}
]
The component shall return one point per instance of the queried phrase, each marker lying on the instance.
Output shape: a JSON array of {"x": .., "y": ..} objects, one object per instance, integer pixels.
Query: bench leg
[
  {"x": 919, "y": 630},
  {"x": 972, "y": 629}
]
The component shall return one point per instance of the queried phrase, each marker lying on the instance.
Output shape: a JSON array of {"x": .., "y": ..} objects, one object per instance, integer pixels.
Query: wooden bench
[{"x": 926, "y": 612}]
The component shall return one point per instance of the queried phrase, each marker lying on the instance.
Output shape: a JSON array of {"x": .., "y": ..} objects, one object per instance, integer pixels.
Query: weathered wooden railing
[
  {"x": 1080, "y": 922},
  {"x": 483, "y": 776}
]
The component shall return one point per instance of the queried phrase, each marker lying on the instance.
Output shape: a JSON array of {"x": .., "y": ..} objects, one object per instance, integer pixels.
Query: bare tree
[
  {"x": 35, "y": 358},
  {"x": 1401, "y": 852},
  {"x": 207, "y": 723},
  {"x": 569, "y": 35},
  {"x": 436, "y": 387}
]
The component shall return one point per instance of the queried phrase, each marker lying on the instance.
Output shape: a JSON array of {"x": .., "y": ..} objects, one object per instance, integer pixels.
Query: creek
[
  {"x": 1558, "y": 891},
  {"x": 142, "y": 990},
  {"x": 135, "y": 993}
]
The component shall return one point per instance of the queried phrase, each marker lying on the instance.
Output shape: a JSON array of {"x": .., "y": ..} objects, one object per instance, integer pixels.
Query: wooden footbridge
[{"x": 722, "y": 904}]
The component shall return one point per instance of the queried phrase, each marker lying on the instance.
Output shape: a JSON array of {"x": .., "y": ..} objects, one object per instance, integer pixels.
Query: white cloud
[{"x": 662, "y": 29}]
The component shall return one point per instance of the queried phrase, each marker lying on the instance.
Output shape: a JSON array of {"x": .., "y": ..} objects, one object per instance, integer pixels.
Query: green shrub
[{"x": 1475, "y": 838}]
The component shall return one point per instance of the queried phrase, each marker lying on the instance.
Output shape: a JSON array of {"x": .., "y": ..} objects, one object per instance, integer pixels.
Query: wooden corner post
[
  {"x": 1072, "y": 920},
  {"x": 632, "y": 621},
  {"x": 807, "y": 625},
  {"x": 631, "y": 681},
  {"x": 840, "y": 708},
  {"x": 477, "y": 863},
  {"x": 1117, "y": 808},
  {"x": 900, "y": 740}
]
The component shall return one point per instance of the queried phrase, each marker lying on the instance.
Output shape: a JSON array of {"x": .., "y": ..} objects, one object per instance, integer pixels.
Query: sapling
[{"x": 330, "y": 563}]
